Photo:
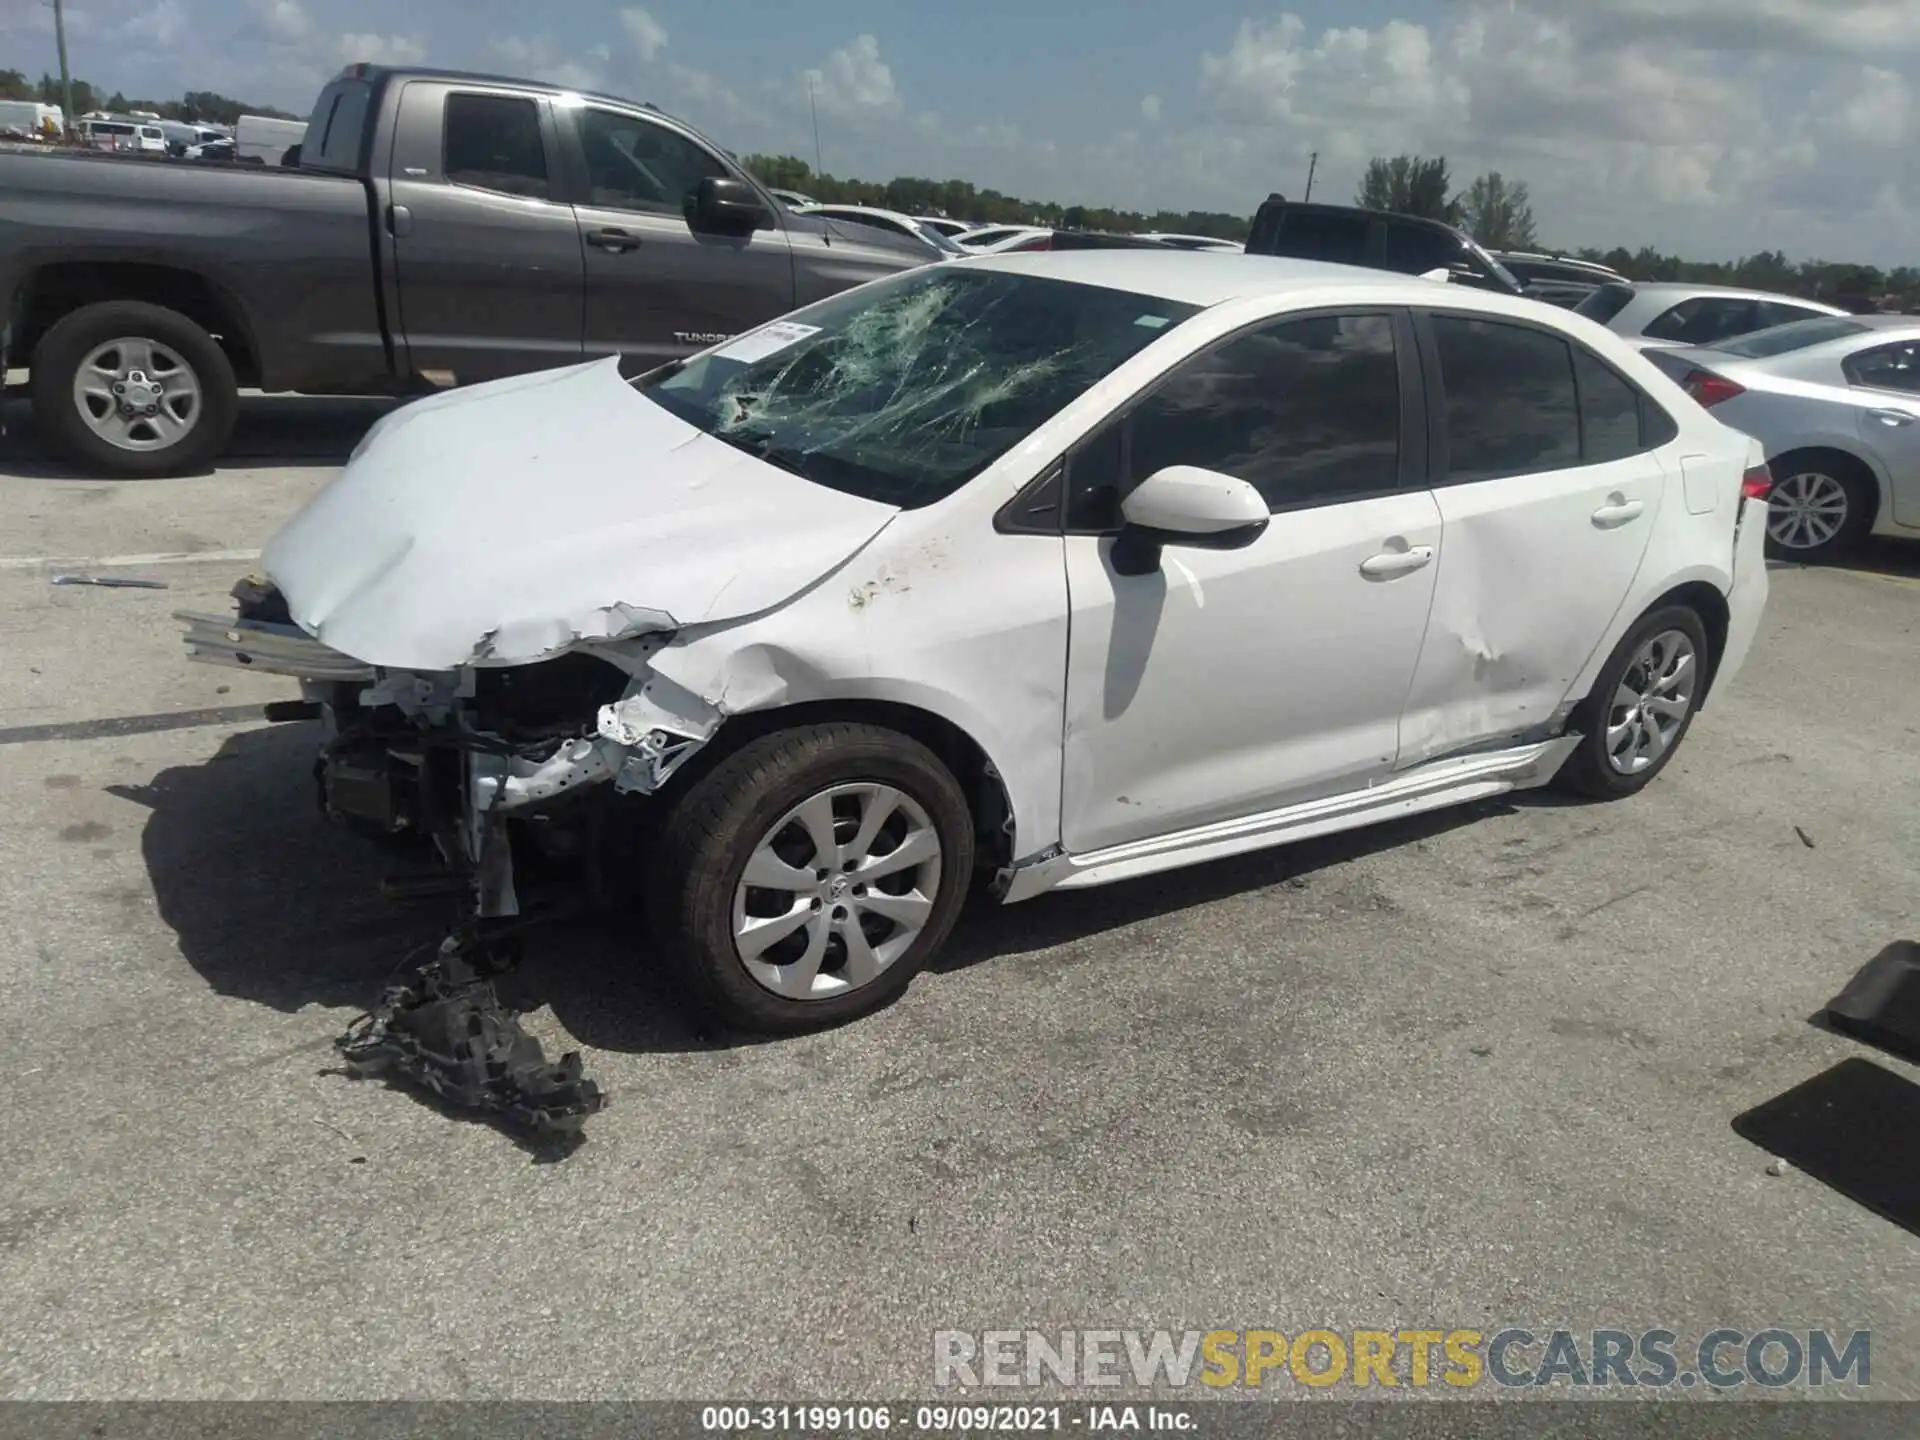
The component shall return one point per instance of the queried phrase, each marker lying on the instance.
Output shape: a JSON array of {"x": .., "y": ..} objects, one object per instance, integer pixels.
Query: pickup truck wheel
[
  {"x": 810, "y": 875},
  {"x": 134, "y": 390}
]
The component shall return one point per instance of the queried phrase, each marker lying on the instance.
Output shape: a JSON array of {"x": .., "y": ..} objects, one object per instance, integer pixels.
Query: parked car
[
  {"x": 977, "y": 569},
  {"x": 440, "y": 228},
  {"x": 1836, "y": 402},
  {"x": 1655, "y": 313},
  {"x": 944, "y": 225},
  {"x": 891, "y": 222},
  {"x": 992, "y": 237},
  {"x": 1191, "y": 242},
  {"x": 792, "y": 199},
  {"x": 1562, "y": 280},
  {"x": 1377, "y": 240}
]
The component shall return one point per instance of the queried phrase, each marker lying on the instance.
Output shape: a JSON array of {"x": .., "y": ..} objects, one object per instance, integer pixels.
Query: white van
[
  {"x": 265, "y": 139},
  {"x": 131, "y": 135},
  {"x": 30, "y": 117}
]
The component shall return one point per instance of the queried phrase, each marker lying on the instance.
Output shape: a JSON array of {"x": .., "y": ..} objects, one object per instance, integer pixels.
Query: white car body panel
[{"x": 1236, "y": 698}]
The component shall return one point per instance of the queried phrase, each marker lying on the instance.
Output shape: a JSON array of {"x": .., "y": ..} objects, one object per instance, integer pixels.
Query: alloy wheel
[
  {"x": 1651, "y": 702},
  {"x": 1806, "y": 510},
  {"x": 836, "y": 891}
]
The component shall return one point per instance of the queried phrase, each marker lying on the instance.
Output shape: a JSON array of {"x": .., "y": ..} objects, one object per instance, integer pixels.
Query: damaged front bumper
[{"x": 453, "y": 756}]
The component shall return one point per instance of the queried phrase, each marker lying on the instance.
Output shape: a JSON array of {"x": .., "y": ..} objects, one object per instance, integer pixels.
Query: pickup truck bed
[{"x": 439, "y": 228}]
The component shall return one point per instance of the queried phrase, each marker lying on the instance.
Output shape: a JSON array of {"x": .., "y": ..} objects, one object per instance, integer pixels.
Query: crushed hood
[{"x": 506, "y": 522}]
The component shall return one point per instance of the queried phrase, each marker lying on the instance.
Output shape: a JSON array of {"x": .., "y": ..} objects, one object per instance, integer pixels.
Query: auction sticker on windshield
[{"x": 767, "y": 340}]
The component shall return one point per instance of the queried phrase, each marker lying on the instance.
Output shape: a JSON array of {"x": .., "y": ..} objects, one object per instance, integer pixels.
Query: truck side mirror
[{"x": 722, "y": 205}]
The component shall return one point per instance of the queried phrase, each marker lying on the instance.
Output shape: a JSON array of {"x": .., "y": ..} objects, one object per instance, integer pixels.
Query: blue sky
[{"x": 1633, "y": 121}]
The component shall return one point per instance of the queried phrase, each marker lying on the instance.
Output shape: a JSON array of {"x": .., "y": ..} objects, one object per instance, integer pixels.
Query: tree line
[
  {"x": 196, "y": 107},
  {"x": 1496, "y": 210}
]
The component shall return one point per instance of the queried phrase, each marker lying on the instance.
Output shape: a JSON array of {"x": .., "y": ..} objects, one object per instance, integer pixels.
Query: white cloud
[
  {"x": 854, "y": 81},
  {"x": 380, "y": 49},
  {"x": 280, "y": 22},
  {"x": 1150, "y": 106},
  {"x": 1675, "y": 122},
  {"x": 646, "y": 34},
  {"x": 157, "y": 26},
  {"x": 537, "y": 58}
]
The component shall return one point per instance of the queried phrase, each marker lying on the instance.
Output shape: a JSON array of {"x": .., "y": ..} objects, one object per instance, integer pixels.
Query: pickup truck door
[
  {"x": 488, "y": 255},
  {"x": 656, "y": 288}
]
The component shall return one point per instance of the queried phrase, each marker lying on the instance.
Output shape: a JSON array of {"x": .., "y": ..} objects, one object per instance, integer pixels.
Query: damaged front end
[
  {"x": 500, "y": 774},
  {"x": 491, "y": 766}
]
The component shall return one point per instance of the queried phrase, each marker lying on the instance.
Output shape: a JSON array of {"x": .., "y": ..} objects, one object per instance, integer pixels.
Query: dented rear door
[{"x": 1548, "y": 495}]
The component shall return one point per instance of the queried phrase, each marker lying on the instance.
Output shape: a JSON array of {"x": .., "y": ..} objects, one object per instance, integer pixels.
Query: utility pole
[
  {"x": 1313, "y": 161},
  {"x": 66, "y": 79},
  {"x": 819, "y": 166}
]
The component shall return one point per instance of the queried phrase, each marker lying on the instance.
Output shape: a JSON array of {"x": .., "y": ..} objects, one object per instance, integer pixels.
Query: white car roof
[
  {"x": 858, "y": 210},
  {"x": 1212, "y": 277}
]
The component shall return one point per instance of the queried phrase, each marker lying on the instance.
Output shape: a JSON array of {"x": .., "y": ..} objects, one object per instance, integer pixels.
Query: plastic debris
[{"x": 110, "y": 582}]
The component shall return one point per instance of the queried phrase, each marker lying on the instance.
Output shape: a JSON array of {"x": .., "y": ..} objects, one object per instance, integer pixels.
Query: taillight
[
  {"x": 1710, "y": 389},
  {"x": 1756, "y": 484}
]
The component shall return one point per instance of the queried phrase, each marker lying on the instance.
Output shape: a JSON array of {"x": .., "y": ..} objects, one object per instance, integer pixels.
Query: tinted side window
[
  {"x": 1705, "y": 319},
  {"x": 1315, "y": 235},
  {"x": 1774, "y": 312},
  {"x": 1511, "y": 406},
  {"x": 1305, "y": 411},
  {"x": 493, "y": 141},
  {"x": 1886, "y": 367},
  {"x": 635, "y": 164},
  {"x": 1605, "y": 303},
  {"x": 1416, "y": 250},
  {"x": 1609, "y": 411}
]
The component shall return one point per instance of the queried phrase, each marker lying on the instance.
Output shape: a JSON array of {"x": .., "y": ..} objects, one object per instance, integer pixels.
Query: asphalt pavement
[{"x": 1470, "y": 1071}]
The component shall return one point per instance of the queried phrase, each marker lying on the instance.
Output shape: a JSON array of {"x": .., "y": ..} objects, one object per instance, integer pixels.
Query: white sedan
[{"x": 1056, "y": 569}]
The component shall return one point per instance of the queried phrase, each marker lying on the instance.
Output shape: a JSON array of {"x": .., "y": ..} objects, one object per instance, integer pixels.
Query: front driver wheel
[
  {"x": 1641, "y": 706},
  {"x": 810, "y": 875}
]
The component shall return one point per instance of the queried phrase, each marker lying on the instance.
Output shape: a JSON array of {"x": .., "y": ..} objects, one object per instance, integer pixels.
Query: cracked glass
[{"x": 904, "y": 390}]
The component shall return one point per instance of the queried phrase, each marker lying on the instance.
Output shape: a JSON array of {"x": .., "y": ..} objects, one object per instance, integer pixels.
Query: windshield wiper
[{"x": 760, "y": 445}]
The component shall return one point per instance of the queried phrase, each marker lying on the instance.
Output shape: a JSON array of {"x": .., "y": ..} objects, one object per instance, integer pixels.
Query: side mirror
[
  {"x": 1443, "y": 274},
  {"x": 1185, "y": 505},
  {"x": 725, "y": 205}
]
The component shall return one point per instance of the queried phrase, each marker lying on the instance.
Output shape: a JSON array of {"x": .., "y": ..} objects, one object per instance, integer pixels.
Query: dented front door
[{"x": 1228, "y": 683}]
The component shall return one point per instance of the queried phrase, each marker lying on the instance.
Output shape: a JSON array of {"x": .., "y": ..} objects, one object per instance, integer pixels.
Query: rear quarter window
[
  {"x": 338, "y": 126},
  {"x": 1311, "y": 235},
  {"x": 1605, "y": 303}
]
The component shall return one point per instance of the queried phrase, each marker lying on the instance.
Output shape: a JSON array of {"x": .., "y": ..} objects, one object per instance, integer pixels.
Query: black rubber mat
[
  {"x": 1855, "y": 1127},
  {"x": 1881, "y": 1005}
]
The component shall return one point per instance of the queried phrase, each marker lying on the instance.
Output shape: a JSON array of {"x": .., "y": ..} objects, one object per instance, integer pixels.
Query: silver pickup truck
[{"x": 436, "y": 228}]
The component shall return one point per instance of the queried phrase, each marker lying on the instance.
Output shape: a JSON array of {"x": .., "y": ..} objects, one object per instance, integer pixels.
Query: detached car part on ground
[{"x": 1044, "y": 570}]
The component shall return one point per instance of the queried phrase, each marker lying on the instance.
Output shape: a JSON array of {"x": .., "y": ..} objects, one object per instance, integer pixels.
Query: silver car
[
  {"x": 1836, "y": 402},
  {"x": 1654, "y": 313}
]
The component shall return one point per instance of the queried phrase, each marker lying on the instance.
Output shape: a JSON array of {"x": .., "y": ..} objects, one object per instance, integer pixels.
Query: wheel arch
[
  {"x": 51, "y": 292},
  {"x": 1830, "y": 450},
  {"x": 1706, "y": 601},
  {"x": 988, "y": 794}
]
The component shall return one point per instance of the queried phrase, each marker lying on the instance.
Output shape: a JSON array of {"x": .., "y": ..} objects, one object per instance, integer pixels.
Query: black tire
[
  {"x": 1855, "y": 481},
  {"x": 700, "y": 851},
  {"x": 1589, "y": 770},
  {"x": 56, "y": 362}
]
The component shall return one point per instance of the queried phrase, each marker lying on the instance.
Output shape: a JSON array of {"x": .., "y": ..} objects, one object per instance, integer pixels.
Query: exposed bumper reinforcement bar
[{"x": 270, "y": 648}]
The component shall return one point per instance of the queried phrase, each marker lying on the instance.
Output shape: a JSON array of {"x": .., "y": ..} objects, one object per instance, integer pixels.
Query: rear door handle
[
  {"x": 613, "y": 240},
  {"x": 1618, "y": 511},
  {"x": 1390, "y": 563},
  {"x": 1893, "y": 417}
]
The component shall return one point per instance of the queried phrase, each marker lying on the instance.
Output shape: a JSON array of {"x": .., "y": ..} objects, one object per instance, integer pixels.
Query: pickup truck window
[
  {"x": 493, "y": 142},
  {"x": 338, "y": 122},
  {"x": 634, "y": 164}
]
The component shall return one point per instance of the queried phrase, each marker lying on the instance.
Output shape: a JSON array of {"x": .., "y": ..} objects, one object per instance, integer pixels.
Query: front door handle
[
  {"x": 613, "y": 240},
  {"x": 399, "y": 221},
  {"x": 1390, "y": 563},
  {"x": 1893, "y": 417},
  {"x": 1618, "y": 511}
]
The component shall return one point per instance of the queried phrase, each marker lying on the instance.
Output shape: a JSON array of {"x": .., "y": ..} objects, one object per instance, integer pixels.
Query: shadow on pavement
[
  {"x": 271, "y": 904},
  {"x": 273, "y": 432},
  {"x": 1876, "y": 555}
]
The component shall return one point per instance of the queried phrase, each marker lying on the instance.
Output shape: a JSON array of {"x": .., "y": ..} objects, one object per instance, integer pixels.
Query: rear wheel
[
  {"x": 127, "y": 389},
  {"x": 1641, "y": 706},
  {"x": 1820, "y": 506},
  {"x": 808, "y": 877}
]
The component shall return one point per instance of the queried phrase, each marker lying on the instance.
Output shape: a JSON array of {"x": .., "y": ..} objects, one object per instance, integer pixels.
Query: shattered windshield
[{"x": 904, "y": 390}]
